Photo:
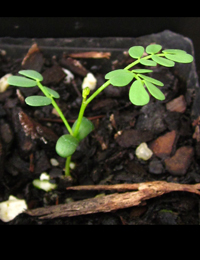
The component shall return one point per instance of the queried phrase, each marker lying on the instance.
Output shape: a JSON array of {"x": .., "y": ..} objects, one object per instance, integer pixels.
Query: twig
[{"x": 107, "y": 203}]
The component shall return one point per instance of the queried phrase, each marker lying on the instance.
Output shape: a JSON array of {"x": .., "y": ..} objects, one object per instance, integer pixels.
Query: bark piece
[
  {"x": 114, "y": 201},
  {"x": 34, "y": 59},
  {"x": 133, "y": 137},
  {"x": 177, "y": 105},
  {"x": 91, "y": 54}
]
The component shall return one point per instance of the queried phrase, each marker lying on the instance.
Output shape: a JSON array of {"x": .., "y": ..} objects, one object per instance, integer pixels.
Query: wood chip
[{"x": 91, "y": 54}]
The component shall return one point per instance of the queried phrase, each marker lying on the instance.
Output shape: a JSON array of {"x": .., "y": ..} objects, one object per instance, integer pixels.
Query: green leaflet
[
  {"x": 173, "y": 51},
  {"x": 163, "y": 61},
  {"x": 137, "y": 94},
  {"x": 37, "y": 101},
  {"x": 153, "y": 48},
  {"x": 152, "y": 80},
  {"x": 85, "y": 128},
  {"x": 120, "y": 77},
  {"x": 154, "y": 91},
  {"x": 19, "y": 81},
  {"x": 180, "y": 57},
  {"x": 31, "y": 74},
  {"x": 136, "y": 52},
  {"x": 142, "y": 71},
  {"x": 66, "y": 145},
  {"x": 148, "y": 62},
  {"x": 52, "y": 92}
]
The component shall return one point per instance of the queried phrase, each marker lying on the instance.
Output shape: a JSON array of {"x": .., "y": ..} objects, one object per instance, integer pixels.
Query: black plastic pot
[{"x": 18, "y": 47}]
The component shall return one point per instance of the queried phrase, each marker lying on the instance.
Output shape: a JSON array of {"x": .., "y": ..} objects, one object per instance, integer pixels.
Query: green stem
[
  {"x": 137, "y": 61},
  {"x": 67, "y": 164},
  {"x": 54, "y": 104},
  {"x": 80, "y": 116},
  {"x": 97, "y": 92}
]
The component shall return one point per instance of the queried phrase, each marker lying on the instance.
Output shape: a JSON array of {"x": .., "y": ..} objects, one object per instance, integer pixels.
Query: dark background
[{"x": 59, "y": 27}]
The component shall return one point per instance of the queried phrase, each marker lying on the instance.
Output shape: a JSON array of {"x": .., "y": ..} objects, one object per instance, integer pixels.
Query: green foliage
[
  {"x": 119, "y": 78},
  {"x": 52, "y": 92},
  {"x": 38, "y": 101},
  {"x": 155, "y": 92},
  {"x": 136, "y": 52},
  {"x": 152, "y": 80},
  {"x": 153, "y": 48},
  {"x": 66, "y": 145},
  {"x": 85, "y": 128},
  {"x": 31, "y": 74},
  {"x": 139, "y": 93},
  {"x": 19, "y": 81},
  {"x": 163, "y": 61}
]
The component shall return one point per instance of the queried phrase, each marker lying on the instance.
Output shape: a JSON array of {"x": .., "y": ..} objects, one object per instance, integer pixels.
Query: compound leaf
[
  {"x": 137, "y": 94},
  {"x": 180, "y": 57},
  {"x": 152, "y": 80},
  {"x": 52, "y": 92},
  {"x": 163, "y": 61},
  {"x": 37, "y": 101},
  {"x": 31, "y": 74},
  {"x": 85, "y": 128},
  {"x": 120, "y": 77},
  {"x": 148, "y": 62},
  {"x": 19, "y": 81},
  {"x": 155, "y": 92},
  {"x": 153, "y": 48},
  {"x": 66, "y": 145},
  {"x": 136, "y": 51}
]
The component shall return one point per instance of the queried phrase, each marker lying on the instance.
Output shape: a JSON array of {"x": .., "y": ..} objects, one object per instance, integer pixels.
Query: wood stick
[{"x": 107, "y": 203}]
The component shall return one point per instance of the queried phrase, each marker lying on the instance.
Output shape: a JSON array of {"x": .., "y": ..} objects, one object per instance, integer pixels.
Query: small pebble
[
  {"x": 89, "y": 81},
  {"x": 69, "y": 76},
  {"x": 3, "y": 83},
  {"x": 155, "y": 166},
  {"x": 180, "y": 162},
  {"x": 143, "y": 152},
  {"x": 162, "y": 146},
  {"x": 54, "y": 162},
  {"x": 11, "y": 208}
]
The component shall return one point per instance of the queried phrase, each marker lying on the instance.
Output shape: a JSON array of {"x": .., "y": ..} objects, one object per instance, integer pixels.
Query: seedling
[{"x": 139, "y": 91}]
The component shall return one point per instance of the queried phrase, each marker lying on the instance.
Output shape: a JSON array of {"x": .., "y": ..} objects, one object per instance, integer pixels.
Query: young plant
[{"x": 139, "y": 91}]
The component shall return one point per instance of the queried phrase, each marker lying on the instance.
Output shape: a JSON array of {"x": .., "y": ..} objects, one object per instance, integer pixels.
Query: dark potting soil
[{"x": 107, "y": 156}]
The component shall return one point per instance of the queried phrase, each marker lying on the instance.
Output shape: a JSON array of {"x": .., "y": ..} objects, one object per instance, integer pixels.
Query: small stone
[
  {"x": 155, "y": 166},
  {"x": 3, "y": 82},
  {"x": 143, "y": 152},
  {"x": 54, "y": 162},
  {"x": 177, "y": 105},
  {"x": 89, "y": 81},
  {"x": 11, "y": 208},
  {"x": 162, "y": 146},
  {"x": 180, "y": 162}
]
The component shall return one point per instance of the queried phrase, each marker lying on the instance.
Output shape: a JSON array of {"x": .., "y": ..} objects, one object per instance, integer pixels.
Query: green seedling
[{"x": 139, "y": 93}]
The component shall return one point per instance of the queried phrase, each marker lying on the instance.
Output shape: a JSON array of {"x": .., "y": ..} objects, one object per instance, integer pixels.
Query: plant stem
[
  {"x": 67, "y": 164},
  {"x": 54, "y": 104},
  {"x": 97, "y": 92}
]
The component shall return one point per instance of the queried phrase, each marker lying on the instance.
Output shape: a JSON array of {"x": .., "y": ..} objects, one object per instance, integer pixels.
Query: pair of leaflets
[{"x": 33, "y": 78}]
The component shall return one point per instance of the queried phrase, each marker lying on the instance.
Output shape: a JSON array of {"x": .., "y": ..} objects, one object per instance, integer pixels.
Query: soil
[{"x": 107, "y": 155}]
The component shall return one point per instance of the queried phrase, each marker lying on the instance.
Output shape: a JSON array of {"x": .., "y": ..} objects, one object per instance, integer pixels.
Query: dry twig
[{"x": 139, "y": 193}]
